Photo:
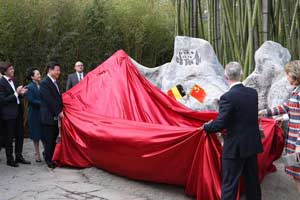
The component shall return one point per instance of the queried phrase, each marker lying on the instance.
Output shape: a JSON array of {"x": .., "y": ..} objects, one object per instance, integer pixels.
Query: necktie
[
  {"x": 55, "y": 83},
  {"x": 80, "y": 77}
]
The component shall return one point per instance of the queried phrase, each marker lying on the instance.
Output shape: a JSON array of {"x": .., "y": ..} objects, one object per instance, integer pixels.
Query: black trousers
[
  {"x": 13, "y": 128},
  {"x": 1, "y": 134},
  {"x": 232, "y": 169},
  {"x": 50, "y": 134}
]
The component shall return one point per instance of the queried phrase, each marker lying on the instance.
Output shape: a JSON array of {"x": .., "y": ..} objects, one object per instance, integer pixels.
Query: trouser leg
[{"x": 231, "y": 172}]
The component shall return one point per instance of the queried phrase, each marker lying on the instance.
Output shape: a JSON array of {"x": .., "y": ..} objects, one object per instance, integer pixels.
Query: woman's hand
[{"x": 262, "y": 113}]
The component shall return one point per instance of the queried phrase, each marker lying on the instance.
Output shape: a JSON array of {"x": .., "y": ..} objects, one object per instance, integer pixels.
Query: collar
[
  {"x": 234, "y": 84},
  {"x": 53, "y": 80},
  {"x": 296, "y": 89},
  {"x": 7, "y": 78},
  {"x": 78, "y": 73}
]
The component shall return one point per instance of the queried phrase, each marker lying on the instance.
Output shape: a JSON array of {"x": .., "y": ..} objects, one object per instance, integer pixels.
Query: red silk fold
[{"x": 118, "y": 121}]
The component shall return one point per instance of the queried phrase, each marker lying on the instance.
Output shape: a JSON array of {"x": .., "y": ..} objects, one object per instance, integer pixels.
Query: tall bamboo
[
  {"x": 236, "y": 28},
  {"x": 265, "y": 14}
]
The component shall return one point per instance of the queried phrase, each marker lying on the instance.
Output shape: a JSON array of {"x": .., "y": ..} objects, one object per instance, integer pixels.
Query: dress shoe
[
  {"x": 12, "y": 164},
  {"x": 22, "y": 160},
  {"x": 37, "y": 158},
  {"x": 51, "y": 165}
]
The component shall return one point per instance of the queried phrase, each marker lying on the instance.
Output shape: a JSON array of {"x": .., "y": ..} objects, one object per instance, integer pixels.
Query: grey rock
[
  {"x": 194, "y": 62},
  {"x": 268, "y": 77}
]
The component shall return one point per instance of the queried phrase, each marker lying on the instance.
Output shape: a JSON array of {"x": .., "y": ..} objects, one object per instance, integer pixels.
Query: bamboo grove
[
  {"x": 33, "y": 32},
  {"x": 236, "y": 28}
]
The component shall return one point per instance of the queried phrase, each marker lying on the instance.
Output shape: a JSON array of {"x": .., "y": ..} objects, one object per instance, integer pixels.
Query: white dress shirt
[
  {"x": 236, "y": 83},
  {"x": 79, "y": 76},
  {"x": 11, "y": 83},
  {"x": 54, "y": 82}
]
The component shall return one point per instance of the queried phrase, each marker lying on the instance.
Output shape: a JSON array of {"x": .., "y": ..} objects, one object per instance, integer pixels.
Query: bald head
[{"x": 79, "y": 67}]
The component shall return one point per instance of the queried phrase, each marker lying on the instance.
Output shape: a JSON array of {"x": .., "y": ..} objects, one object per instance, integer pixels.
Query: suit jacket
[
  {"x": 238, "y": 113},
  {"x": 10, "y": 109},
  {"x": 72, "y": 80},
  {"x": 51, "y": 102}
]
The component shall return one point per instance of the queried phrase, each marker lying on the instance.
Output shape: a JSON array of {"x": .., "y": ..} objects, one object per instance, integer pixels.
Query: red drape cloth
[{"x": 118, "y": 121}]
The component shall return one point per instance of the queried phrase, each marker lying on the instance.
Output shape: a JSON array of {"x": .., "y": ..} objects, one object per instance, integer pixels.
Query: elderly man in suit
[
  {"x": 11, "y": 114},
  {"x": 77, "y": 76},
  {"x": 238, "y": 114},
  {"x": 50, "y": 110}
]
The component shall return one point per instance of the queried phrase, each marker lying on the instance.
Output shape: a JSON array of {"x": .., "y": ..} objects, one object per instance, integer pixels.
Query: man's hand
[
  {"x": 202, "y": 127},
  {"x": 61, "y": 115},
  {"x": 21, "y": 90}
]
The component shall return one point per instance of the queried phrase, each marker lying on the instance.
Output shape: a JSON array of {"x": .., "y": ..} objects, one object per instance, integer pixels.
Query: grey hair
[
  {"x": 78, "y": 63},
  {"x": 233, "y": 71}
]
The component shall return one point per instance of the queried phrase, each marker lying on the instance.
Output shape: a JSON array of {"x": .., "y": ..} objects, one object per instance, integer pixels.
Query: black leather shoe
[
  {"x": 12, "y": 164},
  {"x": 51, "y": 165},
  {"x": 22, "y": 160}
]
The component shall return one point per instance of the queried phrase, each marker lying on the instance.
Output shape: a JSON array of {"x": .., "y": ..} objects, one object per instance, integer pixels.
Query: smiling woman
[
  {"x": 34, "y": 103},
  {"x": 291, "y": 107}
]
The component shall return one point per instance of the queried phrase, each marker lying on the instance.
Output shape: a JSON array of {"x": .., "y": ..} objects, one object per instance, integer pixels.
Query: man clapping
[{"x": 11, "y": 113}]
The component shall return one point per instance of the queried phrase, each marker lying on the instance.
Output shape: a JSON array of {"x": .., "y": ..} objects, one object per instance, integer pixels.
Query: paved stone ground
[{"x": 36, "y": 181}]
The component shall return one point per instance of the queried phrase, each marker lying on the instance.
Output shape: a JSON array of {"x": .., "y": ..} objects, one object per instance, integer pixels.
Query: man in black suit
[
  {"x": 238, "y": 115},
  {"x": 77, "y": 76},
  {"x": 11, "y": 114},
  {"x": 50, "y": 110}
]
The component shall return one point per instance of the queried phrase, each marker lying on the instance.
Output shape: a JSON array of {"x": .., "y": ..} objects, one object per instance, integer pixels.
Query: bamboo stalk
[
  {"x": 231, "y": 30},
  {"x": 294, "y": 19},
  {"x": 265, "y": 15}
]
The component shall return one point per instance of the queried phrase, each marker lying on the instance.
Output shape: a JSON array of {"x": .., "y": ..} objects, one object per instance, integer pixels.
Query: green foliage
[
  {"x": 235, "y": 28},
  {"x": 33, "y": 32}
]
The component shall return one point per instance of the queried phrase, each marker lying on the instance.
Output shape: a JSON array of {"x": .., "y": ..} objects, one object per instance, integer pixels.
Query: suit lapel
[
  {"x": 75, "y": 77},
  {"x": 53, "y": 87},
  {"x": 11, "y": 90}
]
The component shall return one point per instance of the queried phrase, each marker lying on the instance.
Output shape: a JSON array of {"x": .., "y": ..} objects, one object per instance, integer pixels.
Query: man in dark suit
[
  {"x": 50, "y": 110},
  {"x": 11, "y": 114},
  {"x": 77, "y": 76},
  {"x": 238, "y": 115}
]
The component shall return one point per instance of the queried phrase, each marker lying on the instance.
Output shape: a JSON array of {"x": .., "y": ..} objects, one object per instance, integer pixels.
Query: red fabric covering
[{"x": 118, "y": 121}]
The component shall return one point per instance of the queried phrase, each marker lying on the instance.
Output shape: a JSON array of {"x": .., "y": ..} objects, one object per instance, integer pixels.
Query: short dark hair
[
  {"x": 30, "y": 73},
  {"x": 4, "y": 66},
  {"x": 52, "y": 64}
]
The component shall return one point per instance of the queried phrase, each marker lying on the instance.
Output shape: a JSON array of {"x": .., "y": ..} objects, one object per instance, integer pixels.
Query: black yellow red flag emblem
[{"x": 177, "y": 92}]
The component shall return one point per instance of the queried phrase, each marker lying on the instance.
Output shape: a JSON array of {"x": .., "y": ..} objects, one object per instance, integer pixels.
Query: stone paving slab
[{"x": 37, "y": 182}]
